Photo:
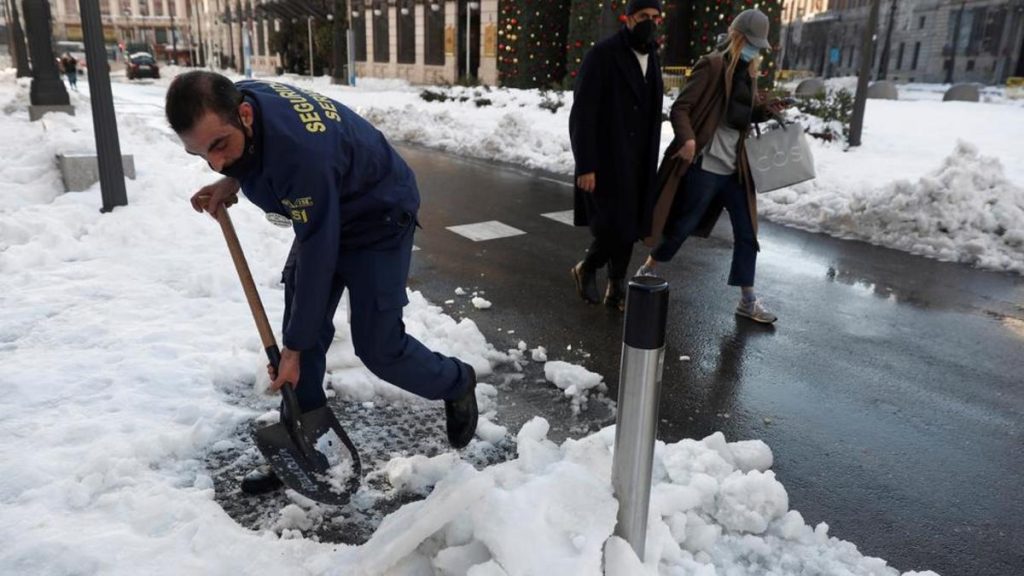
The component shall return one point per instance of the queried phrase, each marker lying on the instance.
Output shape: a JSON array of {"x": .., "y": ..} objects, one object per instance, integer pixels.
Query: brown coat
[{"x": 695, "y": 115}]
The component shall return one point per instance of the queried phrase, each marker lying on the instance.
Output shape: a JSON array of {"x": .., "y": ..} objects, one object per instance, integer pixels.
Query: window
[
  {"x": 381, "y": 34},
  {"x": 406, "y": 32},
  {"x": 359, "y": 31},
  {"x": 849, "y": 59},
  {"x": 917, "y": 52},
  {"x": 433, "y": 41},
  {"x": 920, "y": 23},
  {"x": 899, "y": 56},
  {"x": 970, "y": 65},
  {"x": 261, "y": 38}
]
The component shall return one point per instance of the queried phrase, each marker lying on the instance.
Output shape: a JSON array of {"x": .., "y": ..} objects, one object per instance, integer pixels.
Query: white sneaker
[
  {"x": 645, "y": 270},
  {"x": 756, "y": 311}
]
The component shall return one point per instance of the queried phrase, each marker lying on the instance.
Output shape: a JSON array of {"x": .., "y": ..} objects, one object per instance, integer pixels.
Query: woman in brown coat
[{"x": 711, "y": 119}]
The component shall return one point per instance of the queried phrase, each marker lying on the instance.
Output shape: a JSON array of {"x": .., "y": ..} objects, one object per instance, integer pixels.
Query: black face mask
[
  {"x": 641, "y": 37},
  {"x": 241, "y": 167}
]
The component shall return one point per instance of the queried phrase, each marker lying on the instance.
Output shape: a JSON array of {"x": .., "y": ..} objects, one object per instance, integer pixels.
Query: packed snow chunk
[
  {"x": 489, "y": 568},
  {"x": 687, "y": 458},
  {"x": 402, "y": 531},
  {"x": 338, "y": 458},
  {"x": 460, "y": 292},
  {"x": 522, "y": 344},
  {"x": 535, "y": 451},
  {"x": 621, "y": 560},
  {"x": 418, "y": 473},
  {"x": 488, "y": 431},
  {"x": 743, "y": 455},
  {"x": 554, "y": 521},
  {"x": 748, "y": 502},
  {"x": 539, "y": 354},
  {"x": 575, "y": 381},
  {"x": 457, "y": 560},
  {"x": 480, "y": 303}
]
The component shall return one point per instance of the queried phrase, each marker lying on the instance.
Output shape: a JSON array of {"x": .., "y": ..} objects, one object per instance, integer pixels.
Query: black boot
[
  {"x": 260, "y": 480},
  {"x": 462, "y": 413},
  {"x": 586, "y": 283},
  {"x": 615, "y": 295}
]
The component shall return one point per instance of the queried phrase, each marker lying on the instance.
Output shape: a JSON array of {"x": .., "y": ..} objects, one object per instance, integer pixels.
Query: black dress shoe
[
  {"x": 462, "y": 413},
  {"x": 615, "y": 295},
  {"x": 260, "y": 480},
  {"x": 586, "y": 283}
]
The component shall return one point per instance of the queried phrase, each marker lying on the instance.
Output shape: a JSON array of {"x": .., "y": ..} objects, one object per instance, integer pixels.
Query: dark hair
[{"x": 195, "y": 93}]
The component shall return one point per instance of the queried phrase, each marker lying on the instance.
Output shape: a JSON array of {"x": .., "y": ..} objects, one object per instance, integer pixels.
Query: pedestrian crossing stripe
[
  {"x": 482, "y": 231},
  {"x": 565, "y": 217}
]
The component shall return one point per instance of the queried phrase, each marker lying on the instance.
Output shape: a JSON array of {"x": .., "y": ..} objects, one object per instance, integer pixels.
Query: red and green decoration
[
  {"x": 592, "y": 20},
  {"x": 585, "y": 30},
  {"x": 531, "y": 42},
  {"x": 712, "y": 17}
]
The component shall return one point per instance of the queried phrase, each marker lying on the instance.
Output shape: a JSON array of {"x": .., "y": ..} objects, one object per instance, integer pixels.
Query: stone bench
[{"x": 80, "y": 171}]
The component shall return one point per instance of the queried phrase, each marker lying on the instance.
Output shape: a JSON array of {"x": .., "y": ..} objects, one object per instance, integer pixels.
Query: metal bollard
[{"x": 636, "y": 424}]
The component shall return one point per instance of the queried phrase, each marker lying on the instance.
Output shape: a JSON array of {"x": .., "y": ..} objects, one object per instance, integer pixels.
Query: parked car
[{"x": 141, "y": 65}]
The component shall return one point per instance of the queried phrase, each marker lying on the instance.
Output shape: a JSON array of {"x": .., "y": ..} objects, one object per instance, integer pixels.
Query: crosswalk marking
[
  {"x": 565, "y": 216},
  {"x": 490, "y": 230}
]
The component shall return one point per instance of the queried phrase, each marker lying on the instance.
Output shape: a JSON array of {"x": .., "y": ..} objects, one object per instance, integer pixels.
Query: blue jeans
[
  {"x": 376, "y": 283},
  {"x": 701, "y": 189}
]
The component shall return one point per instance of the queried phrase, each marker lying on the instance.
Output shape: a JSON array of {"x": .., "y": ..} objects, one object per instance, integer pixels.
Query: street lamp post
[{"x": 47, "y": 91}]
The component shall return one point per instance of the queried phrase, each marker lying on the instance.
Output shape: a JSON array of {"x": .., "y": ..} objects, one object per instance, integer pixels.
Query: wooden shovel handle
[{"x": 242, "y": 267}]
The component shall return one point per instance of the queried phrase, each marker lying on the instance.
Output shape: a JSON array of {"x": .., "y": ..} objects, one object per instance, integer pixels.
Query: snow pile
[
  {"x": 965, "y": 211},
  {"x": 575, "y": 381},
  {"x": 715, "y": 509}
]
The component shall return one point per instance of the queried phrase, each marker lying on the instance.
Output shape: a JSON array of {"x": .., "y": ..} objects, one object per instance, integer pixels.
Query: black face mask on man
[
  {"x": 641, "y": 37},
  {"x": 246, "y": 162}
]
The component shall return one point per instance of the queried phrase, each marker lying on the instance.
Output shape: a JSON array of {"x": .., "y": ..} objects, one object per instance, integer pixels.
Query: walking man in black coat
[{"x": 615, "y": 129}]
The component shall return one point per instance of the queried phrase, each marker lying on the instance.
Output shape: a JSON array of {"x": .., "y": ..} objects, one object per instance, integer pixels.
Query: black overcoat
[{"x": 615, "y": 130}]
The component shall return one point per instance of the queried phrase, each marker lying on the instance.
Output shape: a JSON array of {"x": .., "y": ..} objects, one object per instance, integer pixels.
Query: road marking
[
  {"x": 490, "y": 230},
  {"x": 562, "y": 182},
  {"x": 565, "y": 217}
]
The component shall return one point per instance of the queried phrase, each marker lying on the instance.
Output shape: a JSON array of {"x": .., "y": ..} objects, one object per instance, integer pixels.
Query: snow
[{"x": 130, "y": 355}]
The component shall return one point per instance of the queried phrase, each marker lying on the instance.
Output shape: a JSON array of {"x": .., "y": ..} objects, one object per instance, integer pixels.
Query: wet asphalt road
[{"x": 891, "y": 391}]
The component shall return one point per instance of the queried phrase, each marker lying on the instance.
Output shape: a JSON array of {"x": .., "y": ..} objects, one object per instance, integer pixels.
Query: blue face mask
[{"x": 749, "y": 52}]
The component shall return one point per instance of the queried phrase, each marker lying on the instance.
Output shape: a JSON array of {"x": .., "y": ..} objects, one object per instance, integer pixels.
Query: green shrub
[{"x": 832, "y": 107}]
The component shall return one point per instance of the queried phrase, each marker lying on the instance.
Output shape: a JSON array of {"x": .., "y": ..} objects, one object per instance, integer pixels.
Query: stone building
[{"x": 935, "y": 41}]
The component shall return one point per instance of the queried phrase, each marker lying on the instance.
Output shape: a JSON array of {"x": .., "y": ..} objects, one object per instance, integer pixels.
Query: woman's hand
[{"x": 687, "y": 151}]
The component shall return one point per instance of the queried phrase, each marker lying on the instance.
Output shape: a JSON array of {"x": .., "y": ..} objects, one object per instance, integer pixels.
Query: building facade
[
  {"x": 160, "y": 26},
  {"x": 935, "y": 41},
  {"x": 422, "y": 41}
]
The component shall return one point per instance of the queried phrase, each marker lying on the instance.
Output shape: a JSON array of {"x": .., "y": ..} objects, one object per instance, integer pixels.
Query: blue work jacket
[{"x": 336, "y": 178}]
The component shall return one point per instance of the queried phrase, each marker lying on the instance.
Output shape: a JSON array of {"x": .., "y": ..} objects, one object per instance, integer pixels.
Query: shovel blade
[{"x": 309, "y": 476}]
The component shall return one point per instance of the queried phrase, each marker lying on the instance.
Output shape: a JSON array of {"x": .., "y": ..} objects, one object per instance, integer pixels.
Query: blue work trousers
[
  {"x": 702, "y": 188},
  {"x": 376, "y": 285}
]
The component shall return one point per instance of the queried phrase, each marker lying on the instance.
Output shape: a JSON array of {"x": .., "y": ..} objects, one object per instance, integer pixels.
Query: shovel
[{"x": 294, "y": 446}]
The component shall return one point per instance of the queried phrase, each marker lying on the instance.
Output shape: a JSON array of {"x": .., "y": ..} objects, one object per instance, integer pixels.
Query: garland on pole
[{"x": 531, "y": 42}]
